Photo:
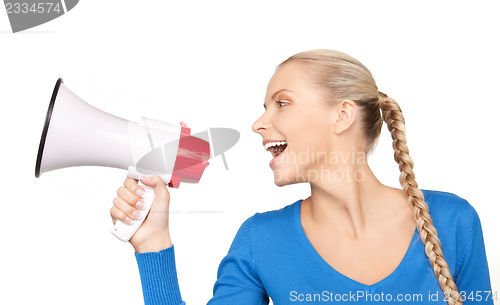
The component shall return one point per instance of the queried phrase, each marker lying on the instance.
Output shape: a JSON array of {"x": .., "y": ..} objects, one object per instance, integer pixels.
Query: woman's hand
[{"x": 153, "y": 235}]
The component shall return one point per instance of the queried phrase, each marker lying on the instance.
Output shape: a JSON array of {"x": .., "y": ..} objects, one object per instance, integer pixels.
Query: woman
[{"x": 354, "y": 240}]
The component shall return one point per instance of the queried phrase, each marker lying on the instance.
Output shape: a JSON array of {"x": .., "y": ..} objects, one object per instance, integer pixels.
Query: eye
[{"x": 279, "y": 102}]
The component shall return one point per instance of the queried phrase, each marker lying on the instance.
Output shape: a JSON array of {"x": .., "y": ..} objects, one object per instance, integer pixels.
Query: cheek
[
  {"x": 314, "y": 134},
  {"x": 309, "y": 133},
  {"x": 309, "y": 148},
  {"x": 318, "y": 149}
]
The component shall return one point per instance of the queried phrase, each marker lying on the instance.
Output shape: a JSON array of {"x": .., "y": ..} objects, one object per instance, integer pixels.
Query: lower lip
[{"x": 274, "y": 160}]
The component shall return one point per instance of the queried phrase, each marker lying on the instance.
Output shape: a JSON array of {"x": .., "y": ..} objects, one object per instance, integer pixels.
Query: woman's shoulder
[
  {"x": 446, "y": 202},
  {"x": 442, "y": 203},
  {"x": 274, "y": 221},
  {"x": 458, "y": 226},
  {"x": 450, "y": 212}
]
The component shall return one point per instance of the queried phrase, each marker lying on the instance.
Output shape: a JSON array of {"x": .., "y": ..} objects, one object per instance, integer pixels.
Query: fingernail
[
  {"x": 140, "y": 192},
  {"x": 145, "y": 179},
  {"x": 136, "y": 214},
  {"x": 140, "y": 205},
  {"x": 128, "y": 221}
]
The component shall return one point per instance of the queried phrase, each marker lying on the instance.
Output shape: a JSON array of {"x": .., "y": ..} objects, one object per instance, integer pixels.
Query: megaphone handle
[{"x": 123, "y": 231}]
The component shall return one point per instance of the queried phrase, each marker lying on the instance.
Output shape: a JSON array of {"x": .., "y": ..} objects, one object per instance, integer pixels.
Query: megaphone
[{"x": 78, "y": 134}]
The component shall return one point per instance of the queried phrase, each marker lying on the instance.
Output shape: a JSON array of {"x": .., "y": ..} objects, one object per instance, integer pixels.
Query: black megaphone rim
[{"x": 46, "y": 127}]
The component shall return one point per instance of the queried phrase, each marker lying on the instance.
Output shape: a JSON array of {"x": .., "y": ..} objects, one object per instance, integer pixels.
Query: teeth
[{"x": 272, "y": 144}]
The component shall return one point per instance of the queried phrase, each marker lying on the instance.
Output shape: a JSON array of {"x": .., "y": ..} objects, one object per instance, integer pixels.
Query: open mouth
[{"x": 276, "y": 148}]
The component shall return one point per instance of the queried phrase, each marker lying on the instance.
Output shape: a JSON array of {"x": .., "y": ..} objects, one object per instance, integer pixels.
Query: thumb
[{"x": 160, "y": 190}]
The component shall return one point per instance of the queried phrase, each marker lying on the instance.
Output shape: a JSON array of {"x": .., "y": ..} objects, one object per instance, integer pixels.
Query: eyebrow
[{"x": 275, "y": 94}]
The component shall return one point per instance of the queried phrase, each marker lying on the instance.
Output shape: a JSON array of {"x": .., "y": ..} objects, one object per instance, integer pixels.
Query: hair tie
[
  {"x": 381, "y": 99},
  {"x": 382, "y": 94}
]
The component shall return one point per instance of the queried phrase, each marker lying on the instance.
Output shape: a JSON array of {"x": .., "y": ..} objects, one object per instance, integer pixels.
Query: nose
[{"x": 261, "y": 124}]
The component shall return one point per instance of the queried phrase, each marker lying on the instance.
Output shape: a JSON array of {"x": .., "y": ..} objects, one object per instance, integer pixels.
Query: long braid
[{"x": 393, "y": 116}]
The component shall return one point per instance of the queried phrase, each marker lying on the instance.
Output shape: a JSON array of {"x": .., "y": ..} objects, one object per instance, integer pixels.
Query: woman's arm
[
  {"x": 237, "y": 282},
  {"x": 153, "y": 248},
  {"x": 473, "y": 278},
  {"x": 159, "y": 277}
]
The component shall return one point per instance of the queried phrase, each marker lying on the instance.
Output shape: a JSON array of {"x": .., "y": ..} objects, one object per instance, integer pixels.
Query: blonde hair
[{"x": 344, "y": 77}]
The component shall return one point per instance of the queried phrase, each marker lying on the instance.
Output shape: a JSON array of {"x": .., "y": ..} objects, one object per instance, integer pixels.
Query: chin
[
  {"x": 280, "y": 183},
  {"x": 280, "y": 180}
]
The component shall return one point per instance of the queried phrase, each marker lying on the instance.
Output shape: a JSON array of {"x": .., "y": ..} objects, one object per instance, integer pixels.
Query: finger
[
  {"x": 129, "y": 197},
  {"x": 113, "y": 219},
  {"x": 161, "y": 192},
  {"x": 133, "y": 186},
  {"x": 129, "y": 211},
  {"x": 116, "y": 214}
]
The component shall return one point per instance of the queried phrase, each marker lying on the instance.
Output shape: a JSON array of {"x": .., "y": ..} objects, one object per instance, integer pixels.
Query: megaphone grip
[{"x": 123, "y": 231}]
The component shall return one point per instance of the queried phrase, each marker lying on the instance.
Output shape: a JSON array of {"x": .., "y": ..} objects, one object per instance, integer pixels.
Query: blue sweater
[{"x": 272, "y": 257}]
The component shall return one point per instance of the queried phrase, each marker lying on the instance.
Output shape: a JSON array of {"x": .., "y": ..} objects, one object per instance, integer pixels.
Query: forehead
[{"x": 292, "y": 76}]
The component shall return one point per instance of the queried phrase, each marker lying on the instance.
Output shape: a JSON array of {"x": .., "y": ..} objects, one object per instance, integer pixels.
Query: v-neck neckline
[{"x": 312, "y": 251}]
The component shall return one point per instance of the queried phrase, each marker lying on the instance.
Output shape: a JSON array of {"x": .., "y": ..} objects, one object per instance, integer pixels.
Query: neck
[{"x": 347, "y": 199}]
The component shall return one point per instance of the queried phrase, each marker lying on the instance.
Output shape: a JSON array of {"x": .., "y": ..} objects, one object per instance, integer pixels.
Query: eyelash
[{"x": 279, "y": 102}]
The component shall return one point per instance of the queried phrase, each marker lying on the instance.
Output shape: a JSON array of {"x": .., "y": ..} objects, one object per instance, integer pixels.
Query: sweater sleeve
[
  {"x": 473, "y": 279},
  {"x": 159, "y": 277},
  {"x": 237, "y": 281}
]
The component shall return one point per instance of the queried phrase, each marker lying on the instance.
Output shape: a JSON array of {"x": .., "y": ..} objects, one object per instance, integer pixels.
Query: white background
[{"x": 207, "y": 63}]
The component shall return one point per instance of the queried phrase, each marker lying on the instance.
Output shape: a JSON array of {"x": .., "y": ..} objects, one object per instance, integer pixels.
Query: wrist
[{"x": 153, "y": 244}]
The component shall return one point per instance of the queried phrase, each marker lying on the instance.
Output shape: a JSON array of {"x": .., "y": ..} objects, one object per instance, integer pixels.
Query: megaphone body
[{"x": 78, "y": 134}]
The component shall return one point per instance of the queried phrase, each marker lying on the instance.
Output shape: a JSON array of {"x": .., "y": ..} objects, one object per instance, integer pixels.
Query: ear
[{"x": 345, "y": 115}]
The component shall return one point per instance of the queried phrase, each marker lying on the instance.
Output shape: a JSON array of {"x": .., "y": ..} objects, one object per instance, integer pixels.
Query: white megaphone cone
[{"x": 78, "y": 134}]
